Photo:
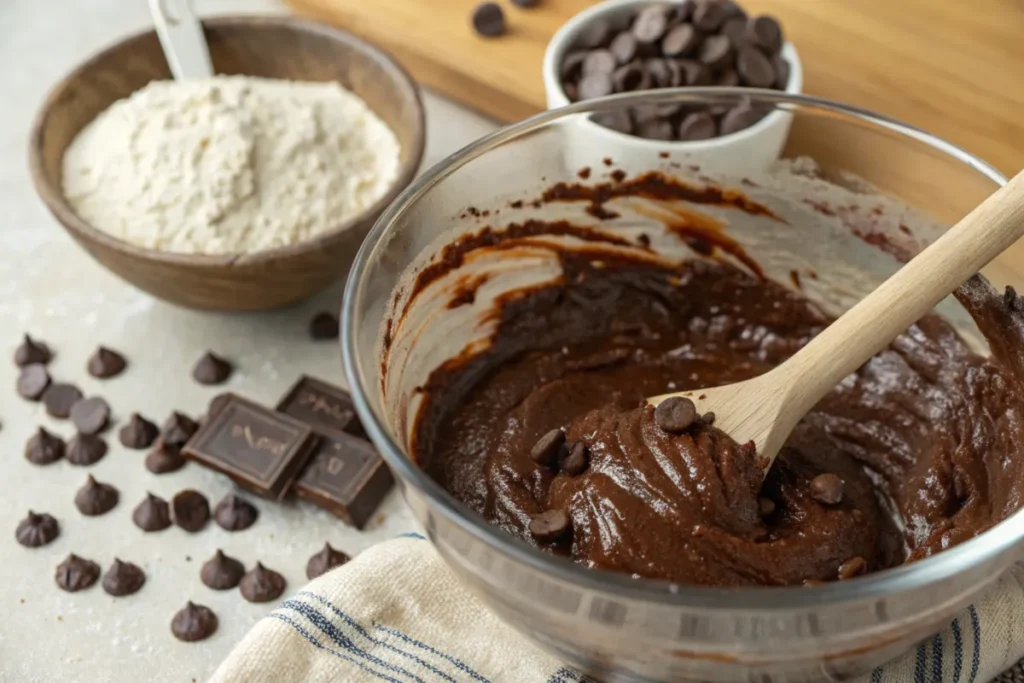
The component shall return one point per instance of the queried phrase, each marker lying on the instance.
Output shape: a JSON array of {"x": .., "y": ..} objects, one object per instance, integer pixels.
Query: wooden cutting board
[{"x": 953, "y": 68}]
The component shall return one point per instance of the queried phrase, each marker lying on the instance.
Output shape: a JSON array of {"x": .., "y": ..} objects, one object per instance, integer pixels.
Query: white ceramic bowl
[{"x": 751, "y": 148}]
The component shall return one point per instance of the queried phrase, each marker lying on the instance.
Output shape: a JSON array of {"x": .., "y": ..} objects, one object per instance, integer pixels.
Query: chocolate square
[
  {"x": 322, "y": 406},
  {"x": 258, "y": 448}
]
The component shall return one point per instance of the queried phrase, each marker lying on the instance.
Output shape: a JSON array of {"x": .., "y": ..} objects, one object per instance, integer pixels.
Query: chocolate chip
[
  {"x": 572, "y": 65},
  {"x": 59, "y": 398},
  {"x": 261, "y": 584},
  {"x": 573, "y": 461},
  {"x": 90, "y": 415},
  {"x": 782, "y": 71},
  {"x": 95, "y": 498},
  {"x": 655, "y": 130},
  {"x": 681, "y": 41},
  {"x": 695, "y": 73},
  {"x": 488, "y": 19},
  {"x": 716, "y": 52},
  {"x": 738, "y": 118},
  {"x": 595, "y": 35},
  {"x": 44, "y": 448},
  {"x": 193, "y": 622},
  {"x": 827, "y": 489},
  {"x": 152, "y": 514},
  {"x": 675, "y": 415},
  {"x": 765, "y": 507},
  {"x": 545, "y": 452},
  {"x": 139, "y": 433},
  {"x": 708, "y": 418},
  {"x": 735, "y": 29},
  {"x": 163, "y": 459},
  {"x": 728, "y": 79},
  {"x": 549, "y": 525},
  {"x": 123, "y": 578},
  {"x": 732, "y": 9},
  {"x": 599, "y": 62},
  {"x": 190, "y": 510},
  {"x": 86, "y": 449},
  {"x": 37, "y": 530},
  {"x": 855, "y": 566},
  {"x": 629, "y": 77},
  {"x": 221, "y": 572},
  {"x": 709, "y": 16},
  {"x": 75, "y": 573},
  {"x": 754, "y": 68},
  {"x": 527, "y": 4},
  {"x": 697, "y": 126},
  {"x": 681, "y": 11},
  {"x": 211, "y": 369},
  {"x": 104, "y": 363},
  {"x": 33, "y": 381},
  {"x": 31, "y": 351},
  {"x": 177, "y": 430},
  {"x": 765, "y": 33},
  {"x": 324, "y": 561},
  {"x": 234, "y": 513},
  {"x": 650, "y": 24},
  {"x": 623, "y": 47},
  {"x": 324, "y": 326},
  {"x": 617, "y": 120},
  {"x": 595, "y": 85}
]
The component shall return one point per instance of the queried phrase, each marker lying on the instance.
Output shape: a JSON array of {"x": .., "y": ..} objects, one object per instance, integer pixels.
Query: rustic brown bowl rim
[{"x": 55, "y": 200}]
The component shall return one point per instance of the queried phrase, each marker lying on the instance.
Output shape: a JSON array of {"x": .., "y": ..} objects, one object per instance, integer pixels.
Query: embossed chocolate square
[
  {"x": 261, "y": 450},
  {"x": 322, "y": 406}
]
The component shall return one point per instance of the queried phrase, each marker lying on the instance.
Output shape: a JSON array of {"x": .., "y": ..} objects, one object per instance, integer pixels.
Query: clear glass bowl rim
[{"x": 974, "y": 552}]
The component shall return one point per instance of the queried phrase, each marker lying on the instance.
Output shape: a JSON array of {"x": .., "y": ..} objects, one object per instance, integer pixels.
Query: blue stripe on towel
[
  {"x": 458, "y": 663},
  {"x": 412, "y": 534},
  {"x": 976, "y": 655},
  {"x": 919, "y": 665},
  {"x": 958, "y": 651},
  {"x": 876, "y": 675},
  {"x": 313, "y": 641},
  {"x": 937, "y": 658}
]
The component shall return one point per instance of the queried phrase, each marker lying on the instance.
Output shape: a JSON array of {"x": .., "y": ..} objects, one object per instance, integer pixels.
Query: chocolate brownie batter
[{"x": 926, "y": 437}]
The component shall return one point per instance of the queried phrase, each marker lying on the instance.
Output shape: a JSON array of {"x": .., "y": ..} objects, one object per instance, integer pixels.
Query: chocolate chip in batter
[
  {"x": 31, "y": 351},
  {"x": 574, "y": 459},
  {"x": 550, "y": 525},
  {"x": 765, "y": 507},
  {"x": 33, "y": 381},
  {"x": 221, "y": 572},
  {"x": 190, "y": 510},
  {"x": 95, "y": 498},
  {"x": 545, "y": 452},
  {"x": 86, "y": 449},
  {"x": 675, "y": 415},
  {"x": 37, "y": 529},
  {"x": 104, "y": 363},
  {"x": 90, "y": 415},
  {"x": 123, "y": 578},
  {"x": 193, "y": 622},
  {"x": 211, "y": 369},
  {"x": 163, "y": 459},
  {"x": 261, "y": 584},
  {"x": 138, "y": 433},
  {"x": 76, "y": 573},
  {"x": 152, "y": 514},
  {"x": 177, "y": 430},
  {"x": 44, "y": 448},
  {"x": 855, "y": 566},
  {"x": 324, "y": 561},
  {"x": 234, "y": 513},
  {"x": 827, "y": 489},
  {"x": 59, "y": 398},
  {"x": 324, "y": 325}
]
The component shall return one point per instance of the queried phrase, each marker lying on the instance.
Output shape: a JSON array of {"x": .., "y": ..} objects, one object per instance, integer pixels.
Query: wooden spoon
[{"x": 765, "y": 409}]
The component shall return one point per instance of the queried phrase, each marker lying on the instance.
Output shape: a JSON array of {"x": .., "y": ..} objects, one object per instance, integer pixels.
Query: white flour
[{"x": 229, "y": 165}]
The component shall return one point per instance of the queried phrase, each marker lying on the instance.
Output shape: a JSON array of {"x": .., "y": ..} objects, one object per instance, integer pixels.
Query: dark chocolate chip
[
  {"x": 732, "y": 9},
  {"x": 675, "y": 415},
  {"x": 59, "y": 398},
  {"x": 595, "y": 35},
  {"x": 655, "y": 130},
  {"x": 193, "y": 622},
  {"x": 681, "y": 41},
  {"x": 139, "y": 433},
  {"x": 650, "y": 24},
  {"x": 211, "y": 369},
  {"x": 765, "y": 507},
  {"x": 681, "y": 11},
  {"x": 574, "y": 459},
  {"x": 708, "y": 418},
  {"x": 599, "y": 62},
  {"x": 86, "y": 449},
  {"x": 728, "y": 78},
  {"x": 152, "y": 514},
  {"x": 550, "y": 525},
  {"x": 624, "y": 47},
  {"x": 44, "y": 448},
  {"x": 221, "y": 572},
  {"x": 33, "y": 381},
  {"x": 595, "y": 85},
  {"x": 163, "y": 459},
  {"x": 527, "y": 4},
  {"x": 765, "y": 33},
  {"x": 76, "y": 573},
  {"x": 545, "y": 452},
  {"x": 190, "y": 510},
  {"x": 324, "y": 561},
  {"x": 697, "y": 126},
  {"x": 754, "y": 68},
  {"x": 572, "y": 65},
  {"x": 234, "y": 513},
  {"x": 782, "y": 72},
  {"x": 31, "y": 351},
  {"x": 617, "y": 120},
  {"x": 37, "y": 530},
  {"x": 324, "y": 326},
  {"x": 827, "y": 489},
  {"x": 95, "y": 498},
  {"x": 177, "y": 430},
  {"x": 90, "y": 415},
  {"x": 738, "y": 118},
  {"x": 659, "y": 72},
  {"x": 735, "y": 29},
  {"x": 630, "y": 77},
  {"x": 855, "y": 566},
  {"x": 716, "y": 52},
  {"x": 105, "y": 363},
  {"x": 696, "y": 73},
  {"x": 709, "y": 16},
  {"x": 123, "y": 578},
  {"x": 488, "y": 19},
  {"x": 261, "y": 584}
]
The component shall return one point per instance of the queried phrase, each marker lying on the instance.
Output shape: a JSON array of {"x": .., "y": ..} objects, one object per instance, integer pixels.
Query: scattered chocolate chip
[
  {"x": 90, "y": 415},
  {"x": 675, "y": 415},
  {"x": 123, "y": 578},
  {"x": 754, "y": 68},
  {"x": 75, "y": 573},
  {"x": 37, "y": 529},
  {"x": 59, "y": 398},
  {"x": 190, "y": 510},
  {"x": 234, "y": 513},
  {"x": 33, "y": 381},
  {"x": 765, "y": 507},
  {"x": 163, "y": 459},
  {"x": 681, "y": 41},
  {"x": 95, "y": 498},
  {"x": 549, "y": 525},
  {"x": 138, "y": 433},
  {"x": 716, "y": 52},
  {"x": 528, "y": 4},
  {"x": 574, "y": 460},
  {"x": 765, "y": 33},
  {"x": 697, "y": 126},
  {"x": 324, "y": 561},
  {"x": 216, "y": 403},
  {"x": 104, "y": 363},
  {"x": 739, "y": 117},
  {"x": 545, "y": 451},
  {"x": 177, "y": 430},
  {"x": 193, "y": 622},
  {"x": 211, "y": 369},
  {"x": 324, "y": 326},
  {"x": 44, "y": 448},
  {"x": 488, "y": 19},
  {"x": 221, "y": 572},
  {"x": 31, "y": 351},
  {"x": 86, "y": 449},
  {"x": 827, "y": 489},
  {"x": 650, "y": 24},
  {"x": 152, "y": 514},
  {"x": 855, "y": 566},
  {"x": 709, "y": 16},
  {"x": 261, "y": 584}
]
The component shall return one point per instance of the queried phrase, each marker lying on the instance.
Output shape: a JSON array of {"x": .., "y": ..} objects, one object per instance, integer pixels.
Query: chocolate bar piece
[
  {"x": 261, "y": 450},
  {"x": 322, "y": 406},
  {"x": 346, "y": 476}
]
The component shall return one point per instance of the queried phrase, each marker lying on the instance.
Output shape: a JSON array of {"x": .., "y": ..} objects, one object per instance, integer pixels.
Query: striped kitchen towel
[{"x": 396, "y": 614}]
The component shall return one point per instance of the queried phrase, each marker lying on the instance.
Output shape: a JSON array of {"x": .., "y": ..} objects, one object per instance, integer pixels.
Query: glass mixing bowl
[{"x": 860, "y": 193}]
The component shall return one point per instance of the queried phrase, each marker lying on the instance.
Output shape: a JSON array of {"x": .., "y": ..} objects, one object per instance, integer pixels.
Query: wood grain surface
[{"x": 953, "y": 68}]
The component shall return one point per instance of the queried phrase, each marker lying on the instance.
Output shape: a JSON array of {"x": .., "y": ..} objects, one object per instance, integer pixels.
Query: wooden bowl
[{"x": 272, "y": 47}]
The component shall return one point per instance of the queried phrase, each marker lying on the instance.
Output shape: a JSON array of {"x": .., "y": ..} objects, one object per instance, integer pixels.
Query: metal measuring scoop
[{"x": 181, "y": 36}]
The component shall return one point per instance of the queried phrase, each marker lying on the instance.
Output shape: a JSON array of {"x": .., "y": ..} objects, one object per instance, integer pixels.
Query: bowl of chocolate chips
[{"x": 624, "y": 46}]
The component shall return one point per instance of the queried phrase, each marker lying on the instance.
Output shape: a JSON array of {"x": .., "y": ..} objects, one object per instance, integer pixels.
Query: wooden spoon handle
[{"x": 906, "y": 297}]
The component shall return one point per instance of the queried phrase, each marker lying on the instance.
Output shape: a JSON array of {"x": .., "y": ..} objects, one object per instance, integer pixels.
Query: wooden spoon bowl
[{"x": 271, "y": 47}]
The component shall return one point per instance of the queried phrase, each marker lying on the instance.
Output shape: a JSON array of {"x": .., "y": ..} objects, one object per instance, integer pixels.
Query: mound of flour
[{"x": 229, "y": 165}]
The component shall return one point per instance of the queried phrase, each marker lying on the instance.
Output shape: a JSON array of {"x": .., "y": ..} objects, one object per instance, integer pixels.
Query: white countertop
[{"x": 51, "y": 288}]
